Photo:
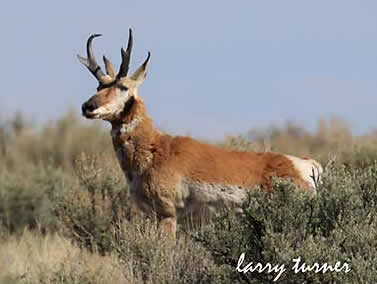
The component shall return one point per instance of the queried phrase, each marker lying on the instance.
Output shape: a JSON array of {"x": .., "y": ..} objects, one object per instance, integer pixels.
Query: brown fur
[
  {"x": 202, "y": 162},
  {"x": 104, "y": 96},
  {"x": 156, "y": 163}
]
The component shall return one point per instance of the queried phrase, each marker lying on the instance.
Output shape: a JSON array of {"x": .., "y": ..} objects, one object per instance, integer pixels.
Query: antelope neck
[{"x": 122, "y": 128}]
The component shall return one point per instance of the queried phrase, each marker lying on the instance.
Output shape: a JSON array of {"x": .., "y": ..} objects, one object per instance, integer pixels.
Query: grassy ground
[
  {"x": 36, "y": 258},
  {"x": 65, "y": 215}
]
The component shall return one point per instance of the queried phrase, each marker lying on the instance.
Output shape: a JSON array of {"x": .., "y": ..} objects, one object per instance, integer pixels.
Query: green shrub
[
  {"x": 28, "y": 200},
  {"x": 93, "y": 206},
  {"x": 337, "y": 224},
  {"x": 155, "y": 258}
]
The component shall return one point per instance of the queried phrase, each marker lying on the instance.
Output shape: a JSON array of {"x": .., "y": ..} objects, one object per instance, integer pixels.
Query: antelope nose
[
  {"x": 88, "y": 106},
  {"x": 83, "y": 108}
]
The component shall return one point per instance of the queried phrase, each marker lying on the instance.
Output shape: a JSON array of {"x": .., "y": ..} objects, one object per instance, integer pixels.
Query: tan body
[{"x": 178, "y": 177}]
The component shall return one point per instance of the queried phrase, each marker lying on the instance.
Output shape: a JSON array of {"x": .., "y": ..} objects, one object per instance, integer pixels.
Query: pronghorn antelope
[{"x": 175, "y": 176}]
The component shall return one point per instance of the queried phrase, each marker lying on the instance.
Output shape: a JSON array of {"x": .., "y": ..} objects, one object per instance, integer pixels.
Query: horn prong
[{"x": 110, "y": 70}]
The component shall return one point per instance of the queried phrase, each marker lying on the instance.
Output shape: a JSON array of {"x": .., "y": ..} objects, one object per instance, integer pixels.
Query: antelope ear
[{"x": 140, "y": 74}]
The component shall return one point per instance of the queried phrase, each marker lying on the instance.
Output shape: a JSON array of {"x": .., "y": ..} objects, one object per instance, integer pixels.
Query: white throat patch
[{"x": 126, "y": 127}]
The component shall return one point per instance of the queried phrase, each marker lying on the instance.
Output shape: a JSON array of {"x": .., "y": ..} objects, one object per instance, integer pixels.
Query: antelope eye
[{"x": 123, "y": 88}]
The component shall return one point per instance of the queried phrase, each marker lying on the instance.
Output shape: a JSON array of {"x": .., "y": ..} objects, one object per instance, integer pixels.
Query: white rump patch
[{"x": 309, "y": 170}]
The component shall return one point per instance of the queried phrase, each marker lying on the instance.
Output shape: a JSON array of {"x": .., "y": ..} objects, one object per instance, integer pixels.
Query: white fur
[
  {"x": 114, "y": 107},
  {"x": 207, "y": 198},
  {"x": 126, "y": 128},
  {"x": 307, "y": 168}
]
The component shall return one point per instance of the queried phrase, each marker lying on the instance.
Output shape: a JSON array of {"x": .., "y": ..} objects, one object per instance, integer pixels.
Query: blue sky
[{"x": 217, "y": 67}]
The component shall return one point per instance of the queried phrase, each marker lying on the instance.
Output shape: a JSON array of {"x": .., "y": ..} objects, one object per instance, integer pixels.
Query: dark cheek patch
[{"x": 129, "y": 107}]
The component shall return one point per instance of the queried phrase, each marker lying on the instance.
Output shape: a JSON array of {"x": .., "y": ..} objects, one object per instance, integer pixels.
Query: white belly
[{"x": 206, "y": 198}]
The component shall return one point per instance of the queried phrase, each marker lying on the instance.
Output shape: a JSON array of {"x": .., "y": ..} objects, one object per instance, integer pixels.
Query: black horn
[
  {"x": 90, "y": 62},
  {"x": 123, "y": 70}
]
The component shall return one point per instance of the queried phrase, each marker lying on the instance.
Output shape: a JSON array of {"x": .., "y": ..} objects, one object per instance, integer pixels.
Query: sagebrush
[{"x": 62, "y": 193}]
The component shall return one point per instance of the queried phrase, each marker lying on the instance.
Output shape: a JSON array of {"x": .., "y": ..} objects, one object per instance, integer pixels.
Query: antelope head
[{"x": 114, "y": 91}]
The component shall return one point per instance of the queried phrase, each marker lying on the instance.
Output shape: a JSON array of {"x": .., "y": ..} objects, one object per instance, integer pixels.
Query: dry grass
[
  {"x": 34, "y": 258},
  {"x": 332, "y": 138}
]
